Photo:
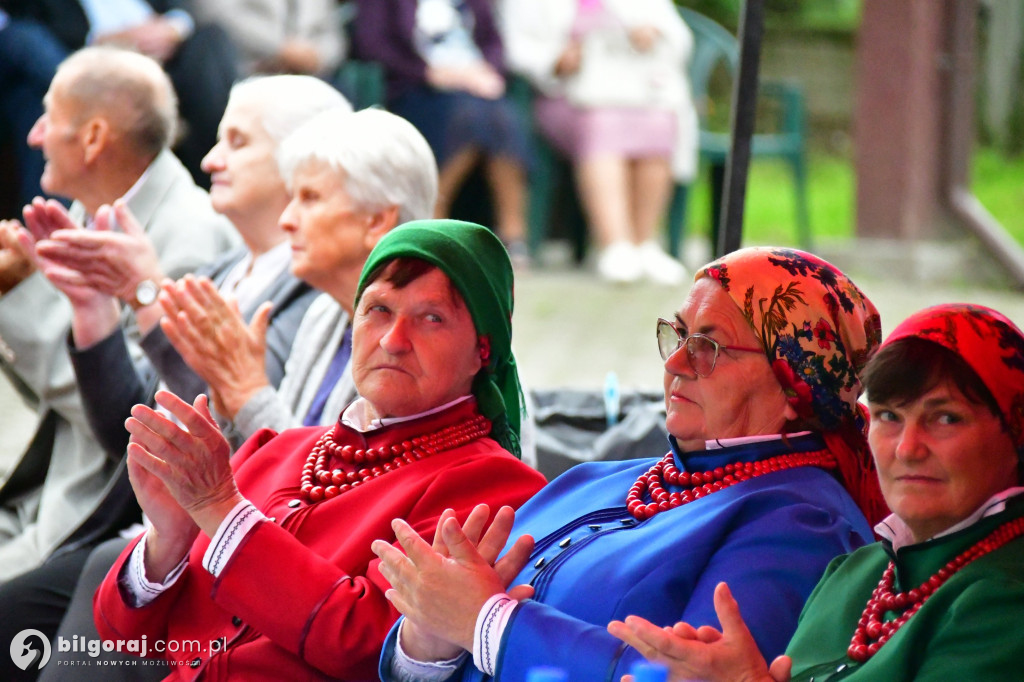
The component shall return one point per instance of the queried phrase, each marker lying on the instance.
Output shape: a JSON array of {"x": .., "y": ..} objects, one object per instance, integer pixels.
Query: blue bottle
[{"x": 649, "y": 672}]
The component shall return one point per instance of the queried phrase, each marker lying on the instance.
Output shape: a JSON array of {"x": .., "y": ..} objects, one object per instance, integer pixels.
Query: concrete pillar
[{"x": 898, "y": 121}]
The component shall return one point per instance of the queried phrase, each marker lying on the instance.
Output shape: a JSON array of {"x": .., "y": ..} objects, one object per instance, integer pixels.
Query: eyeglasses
[{"x": 701, "y": 350}]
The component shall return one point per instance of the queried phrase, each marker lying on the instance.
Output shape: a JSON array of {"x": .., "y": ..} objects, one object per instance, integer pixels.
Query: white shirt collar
[
  {"x": 893, "y": 529},
  {"x": 356, "y": 416},
  {"x": 746, "y": 440}
]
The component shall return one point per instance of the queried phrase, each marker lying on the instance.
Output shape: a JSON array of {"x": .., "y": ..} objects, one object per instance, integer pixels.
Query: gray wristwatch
[{"x": 146, "y": 293}]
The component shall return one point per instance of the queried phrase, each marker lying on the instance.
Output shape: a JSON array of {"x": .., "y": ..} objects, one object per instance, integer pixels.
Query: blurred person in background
[
  {"x": 199, "y": 58},
  {"x": 445, "y": 70},
  {"x": 280, "y": 36},
  {"x": 613, "y": 98}
]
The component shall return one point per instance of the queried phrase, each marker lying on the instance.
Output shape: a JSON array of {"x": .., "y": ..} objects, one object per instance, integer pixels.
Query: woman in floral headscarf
[
  {"x": 762, "y": 370},
  {"x": 940, "y": 597}
]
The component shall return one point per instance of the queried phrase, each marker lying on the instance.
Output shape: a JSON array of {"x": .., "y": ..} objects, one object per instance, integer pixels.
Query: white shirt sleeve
[
  {"x": 137, "y": 590},
  {"x": 406, "y": 669},
  {"x": 239, "y": 522},
  {"x": 490, "y": 626}
]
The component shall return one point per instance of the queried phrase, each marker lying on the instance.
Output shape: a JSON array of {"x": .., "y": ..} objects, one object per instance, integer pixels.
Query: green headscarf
[{"x": 478, "y": 265}]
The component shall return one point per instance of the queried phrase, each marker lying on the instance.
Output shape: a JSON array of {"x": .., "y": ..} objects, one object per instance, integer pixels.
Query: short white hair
[
  {"x": 286, "y": 101},
  {"x": 386, "y": 161}
]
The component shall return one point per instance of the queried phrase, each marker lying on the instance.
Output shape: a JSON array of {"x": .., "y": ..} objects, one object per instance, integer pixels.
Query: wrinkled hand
[
  {"x": 297, "y": 56},
  {"x": 441, "y": 589},
  {"x": 43, "y": 217},
  {"x": 643, "y": 38},
  {"x": 109, "y": 261},
  {"x": 211, "y": 336},
  {"x": 16, "y": 261},
  {"x": 192, "y": 462},
  {"x": 172, "y": 531},
  {"x": 704, "y": 653},
  {"x": 479, "y": 79},
  {"x": 569, "y": 61}
]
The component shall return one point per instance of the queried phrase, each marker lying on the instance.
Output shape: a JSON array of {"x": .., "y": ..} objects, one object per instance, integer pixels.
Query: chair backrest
[{"x": 712, "y": 45}]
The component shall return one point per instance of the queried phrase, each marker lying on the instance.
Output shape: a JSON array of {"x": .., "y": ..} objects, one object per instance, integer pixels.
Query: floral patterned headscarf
[
  {"x": 988, "y": 342},
  {"x": 818, "y": 331}
]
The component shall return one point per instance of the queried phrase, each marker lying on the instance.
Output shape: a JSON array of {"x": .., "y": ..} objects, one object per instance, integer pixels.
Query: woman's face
[
  {"x": 413, "y": 348},
  {"x": 245, "y": 184},
  {"x": 331, "y": 235},
  {"x": 741, "y": 397},
  {"x": 939, "y": 458}
]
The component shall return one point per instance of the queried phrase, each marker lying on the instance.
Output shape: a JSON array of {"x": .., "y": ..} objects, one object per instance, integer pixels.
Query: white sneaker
[
  {"x": 659, "y": 267},
  {"x": 620, "y": 263}
]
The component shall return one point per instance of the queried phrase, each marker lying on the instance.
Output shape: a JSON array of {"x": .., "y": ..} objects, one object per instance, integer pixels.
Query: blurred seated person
[
  {"x": 279, "y": 36},
  {"x": 767, "y": 466},
  {"x": 939, "y": 598},
  {"x": 199, "y": 58},
  {"x": 29, "y": 56},
  {"x": 445, "y": 72},
  {"x": 293, "y": 514},
  {"x": 613, "y": 98}
]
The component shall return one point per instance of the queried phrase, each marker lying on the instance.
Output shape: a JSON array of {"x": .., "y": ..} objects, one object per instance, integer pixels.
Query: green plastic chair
[
  {"x": 362, "y": 82},
  {"x": 715, "y": 47}
]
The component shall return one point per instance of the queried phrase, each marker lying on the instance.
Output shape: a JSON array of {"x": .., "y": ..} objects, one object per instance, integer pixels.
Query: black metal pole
[{"x": 744, "y": 109}]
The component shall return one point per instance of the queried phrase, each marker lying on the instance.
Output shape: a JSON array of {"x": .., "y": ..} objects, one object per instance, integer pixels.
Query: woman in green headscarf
[
  {"x": 293, "y": 514},
  {"x": 478, "y": 267}
]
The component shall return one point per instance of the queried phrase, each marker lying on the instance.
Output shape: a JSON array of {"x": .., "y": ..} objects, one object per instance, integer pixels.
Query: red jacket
[{"x": 302, "y": 598}]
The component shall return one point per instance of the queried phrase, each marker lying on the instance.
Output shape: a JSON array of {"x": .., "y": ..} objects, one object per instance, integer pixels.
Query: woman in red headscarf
[{"x": 940, "y": 597}]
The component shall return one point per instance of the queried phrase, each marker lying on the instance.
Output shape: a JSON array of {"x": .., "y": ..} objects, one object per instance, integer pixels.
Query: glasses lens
[
  {"x": 702, "y": 353},
  {"x": 668, "y": 339}
]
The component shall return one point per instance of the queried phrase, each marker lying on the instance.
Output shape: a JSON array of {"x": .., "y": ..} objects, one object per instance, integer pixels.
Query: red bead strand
[
  {"x": 872, "y": 632},
  {"x": 701, "y": 484},
  {"x": 319, "y": 482}
]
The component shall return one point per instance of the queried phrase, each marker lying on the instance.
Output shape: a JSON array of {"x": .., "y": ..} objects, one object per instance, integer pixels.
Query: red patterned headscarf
[
  {"x": 818, "y": 330},
  {"x": 988, "y": 342}
]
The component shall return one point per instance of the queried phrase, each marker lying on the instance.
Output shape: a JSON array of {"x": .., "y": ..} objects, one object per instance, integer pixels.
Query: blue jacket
[{"x": 770, "y": 538}]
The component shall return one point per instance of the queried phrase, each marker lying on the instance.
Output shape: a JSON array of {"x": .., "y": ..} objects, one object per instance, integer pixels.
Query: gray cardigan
[{"x": 318, "y": 336}]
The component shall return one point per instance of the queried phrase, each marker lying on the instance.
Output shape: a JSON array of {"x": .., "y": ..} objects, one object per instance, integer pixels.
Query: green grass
[
  {"x": 997, "y": 181},
  {"x": 771, "y": 201}
]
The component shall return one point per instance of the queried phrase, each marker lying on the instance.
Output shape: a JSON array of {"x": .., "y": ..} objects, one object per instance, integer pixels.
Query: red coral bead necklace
[
  {"x": 319, "y": 482},
  {"x": 872, "y": 632},
  {"x": 700, "y": 484}
]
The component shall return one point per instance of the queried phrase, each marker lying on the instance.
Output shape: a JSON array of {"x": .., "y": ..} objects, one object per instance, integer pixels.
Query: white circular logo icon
[{"x": 30, "y": 649}]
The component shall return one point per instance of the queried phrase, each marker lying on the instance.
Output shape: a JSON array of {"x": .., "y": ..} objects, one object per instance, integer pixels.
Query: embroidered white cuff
[
  {"x": 406, "y": 669},
  {"x": 490, "y": 625},
  {"x": 242, "y": 518},
  {"x": 139, "y": 590}
]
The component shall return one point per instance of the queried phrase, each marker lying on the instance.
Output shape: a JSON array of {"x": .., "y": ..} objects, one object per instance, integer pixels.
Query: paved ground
[{"x": 571, "y": 329}]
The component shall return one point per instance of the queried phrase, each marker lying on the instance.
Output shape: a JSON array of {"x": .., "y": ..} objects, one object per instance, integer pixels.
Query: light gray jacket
[{"x": 64, "y": 473}]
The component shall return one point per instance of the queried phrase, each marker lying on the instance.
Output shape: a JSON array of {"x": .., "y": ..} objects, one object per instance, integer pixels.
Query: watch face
[{"x": 146, "y": 291}]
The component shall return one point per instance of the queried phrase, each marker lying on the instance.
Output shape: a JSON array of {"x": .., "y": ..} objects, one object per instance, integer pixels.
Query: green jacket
[{"x": 968, "y": 630}]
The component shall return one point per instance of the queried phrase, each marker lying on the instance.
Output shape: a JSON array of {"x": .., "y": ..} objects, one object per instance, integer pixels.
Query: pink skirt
[{"x": 630, "y": 133}]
